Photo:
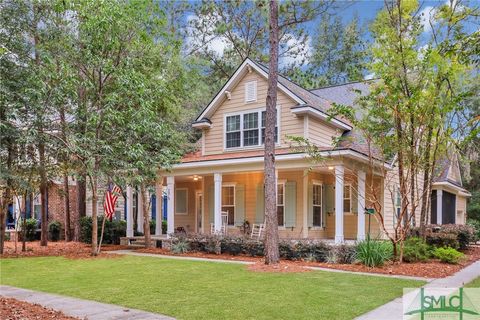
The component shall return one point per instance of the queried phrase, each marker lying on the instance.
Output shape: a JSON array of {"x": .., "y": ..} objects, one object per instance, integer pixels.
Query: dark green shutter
[
  {"x": 354, "y": 200},
  {"x": 330, "y": 198},
  {"x": 310, "y": 205},
  {"x": 211, "y": 204},
  {"x": 290, "y": 203},
  {"x": 260, "y": 204},
  {"x": 239, "y": 204}
]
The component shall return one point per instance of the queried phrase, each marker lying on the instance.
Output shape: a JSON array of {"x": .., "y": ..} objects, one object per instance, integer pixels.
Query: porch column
[
  {"x": 139, "y": 212},
  {"x": 158, "y": 206},
  {"x": 439, "y": 206},
  {"x": 217, "y": 207},
  {"x": 361, "y": 206},
  {"x": 170, "y": 205},
  {"x": 339, "y": 177},
  {"x": 129, "y": 212},
  {"x": 305, "y": 204}
]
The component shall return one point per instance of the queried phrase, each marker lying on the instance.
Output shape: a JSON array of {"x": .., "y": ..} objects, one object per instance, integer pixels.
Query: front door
[{"x": 198, "y": 209}]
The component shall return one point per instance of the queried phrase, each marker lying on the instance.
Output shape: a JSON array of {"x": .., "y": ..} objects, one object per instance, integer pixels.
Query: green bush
[
  {"x": 31, "y": 229},
  {"x": 415, "y": 249},
  {"x": 180, "y": 246},
  {"x": 54, "y": 230},
  {"x": 374, "y": 253},
  {"x": 448, "y": 235},
  {"x": 343, "y": 254},
  {"x": 114, "y": 230},
  {"x": 475, "y": 224},
  {"x": 232, "y": 245},
  {"x": 254, "y": 248},
  {"x": 448, "y": 255}
]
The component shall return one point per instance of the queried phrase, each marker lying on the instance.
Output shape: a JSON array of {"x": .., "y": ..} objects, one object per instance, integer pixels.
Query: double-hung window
[
  {"x": 317, "y": 205},
  {"x": 347, "y": 198},
  {"x": 233, "y": 132},
  {"x": 281, "y": 204},
  {"x": 228, "y": 203},
  {"x": 246, "y": 129},
  {"x": 250, "y": 129},
  {"x": 264, "y": 114}
]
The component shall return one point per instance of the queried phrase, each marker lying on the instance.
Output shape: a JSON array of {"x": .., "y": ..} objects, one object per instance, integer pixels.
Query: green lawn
[
  {"x": 474, "y": 284},
  {"x": 204, "y": 290}
]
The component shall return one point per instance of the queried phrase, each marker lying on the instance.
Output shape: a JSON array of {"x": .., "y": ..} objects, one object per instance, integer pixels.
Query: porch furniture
[
  {"x": 224, "y": 226},
  {"x": 257, "y": 231}
]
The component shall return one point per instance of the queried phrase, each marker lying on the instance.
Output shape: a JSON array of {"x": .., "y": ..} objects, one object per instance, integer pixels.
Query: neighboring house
[
  {"x": 449, "y": 198},
  {"x": 319, "y": 201},
  {"x": 55, "y": 205}
]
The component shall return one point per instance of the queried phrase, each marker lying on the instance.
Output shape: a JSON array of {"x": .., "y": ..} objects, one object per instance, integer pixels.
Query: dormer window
[{"x": 251, "y": 91}]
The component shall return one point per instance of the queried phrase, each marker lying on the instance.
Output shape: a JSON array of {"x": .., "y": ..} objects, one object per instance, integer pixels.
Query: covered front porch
[{"x": 320, "y": 202}]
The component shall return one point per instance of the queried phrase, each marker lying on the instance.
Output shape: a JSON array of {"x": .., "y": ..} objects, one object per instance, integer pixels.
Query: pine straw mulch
[
  {"x": 431, "y": 269},
  {"x": 12, "y": 309},
  {"x": 71, "y": 250}
]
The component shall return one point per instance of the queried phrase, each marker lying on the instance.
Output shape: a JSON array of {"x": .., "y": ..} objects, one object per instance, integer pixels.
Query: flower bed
[{"x": 13, "y": 309}]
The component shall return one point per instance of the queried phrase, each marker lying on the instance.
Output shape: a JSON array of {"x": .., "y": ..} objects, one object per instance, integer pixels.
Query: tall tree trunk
[
  {"x": 6, "y": 197},
  {"x": 271, "y": 227},
  {"x": 24, "y": 222},
  {"x": 146, "y": 216},
  {"x": 94, "y": 185},
  {"x": 43, "y": 196},
  {"x": 68, "y": 233},
  {"x": 426, "y": 181},
  {"x": 81, "y": 204}
]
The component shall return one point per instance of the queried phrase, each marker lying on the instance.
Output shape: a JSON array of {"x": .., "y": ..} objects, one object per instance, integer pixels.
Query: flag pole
[{"x": 101, "y": 235}]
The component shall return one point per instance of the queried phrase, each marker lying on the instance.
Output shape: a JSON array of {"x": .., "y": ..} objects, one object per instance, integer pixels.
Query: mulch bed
[
  {"x": 430, "y": 269},
  {"x": 12, "y": 309},
  {"x": 71, "y": 250}
]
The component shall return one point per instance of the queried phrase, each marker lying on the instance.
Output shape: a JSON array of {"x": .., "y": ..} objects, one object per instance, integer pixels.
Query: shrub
[
  {"x": 374, "y": 253},
  {"x": 448, "y": 235},
  {"x": 448, "y": 255},
  {"x": 311, "y": 250},
  {"x": 254, "y": 248},
  {"x": 343, "y": 254},
  {"x": 442, "y": 239},
  {"x": 114, "y": 230},
  {"x": 233, "y": 246},
  {"x": 54, "y": 230},
  {"x": 31, "y": 229},
  {"x": 415, "y": 249},
  {"x": 475, "y": 224},
  {"x": 465, "y": 234},
  {"x": 287, "y": 251},
  {"x": 180, "y": 246},
  {"x": 213, "y": 245}
]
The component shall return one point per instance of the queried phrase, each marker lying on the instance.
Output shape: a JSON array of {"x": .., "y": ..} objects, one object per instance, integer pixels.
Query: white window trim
[
  {"x": 396, "y": 207},
  {"x": 260, "y": 144},
  {"x": 349, "y": 198},
  {"x": 320, "y": 227},
  {"x": 282, "y": 182},
  {"x": 234, "y": 186},
  {"x": 255, "y": 91},
  {"x": 186, "y": 202}
]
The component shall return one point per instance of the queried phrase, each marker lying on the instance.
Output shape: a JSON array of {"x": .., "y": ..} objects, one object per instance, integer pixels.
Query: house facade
[{"x": 326, "y": 199}]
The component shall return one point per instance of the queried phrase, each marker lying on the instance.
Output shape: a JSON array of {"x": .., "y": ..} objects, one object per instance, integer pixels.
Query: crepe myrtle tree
[{"x": 405, "y": 116}]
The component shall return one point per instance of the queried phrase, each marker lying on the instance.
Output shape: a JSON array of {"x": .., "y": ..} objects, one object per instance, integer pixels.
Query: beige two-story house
[{"x": 323, "y": 200}]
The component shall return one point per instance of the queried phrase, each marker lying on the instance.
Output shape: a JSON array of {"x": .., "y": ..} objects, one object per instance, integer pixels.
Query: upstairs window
[
  {"x": 250, "y": 129},
  {"x": 246, "y": 129},
  {"x": 251, "y": 91},
  {"x": 233, "y": 136}
]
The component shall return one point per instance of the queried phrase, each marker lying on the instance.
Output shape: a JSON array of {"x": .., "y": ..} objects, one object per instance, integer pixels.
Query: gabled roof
[
  {"x": 300, "y": 95},
  {"x": 447, "y": 166}
]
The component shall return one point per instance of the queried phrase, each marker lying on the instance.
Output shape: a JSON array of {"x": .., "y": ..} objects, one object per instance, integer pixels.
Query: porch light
[
  {"x": 195, "y": 178},
  {"x": 331, "y": 168}
]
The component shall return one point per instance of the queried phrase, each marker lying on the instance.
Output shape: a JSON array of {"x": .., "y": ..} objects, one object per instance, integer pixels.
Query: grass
[
  {"x": 474, "y": 284},
  {"x": 204, "y": 290}
]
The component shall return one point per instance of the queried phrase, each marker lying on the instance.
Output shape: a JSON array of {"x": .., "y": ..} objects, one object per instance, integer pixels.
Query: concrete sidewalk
[
  {"x": 393, "y": 310},
  {"x": 83, "y": 309}
]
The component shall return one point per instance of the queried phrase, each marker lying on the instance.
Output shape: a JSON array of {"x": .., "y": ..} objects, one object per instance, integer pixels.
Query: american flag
[{"x": 111, "y": 196}]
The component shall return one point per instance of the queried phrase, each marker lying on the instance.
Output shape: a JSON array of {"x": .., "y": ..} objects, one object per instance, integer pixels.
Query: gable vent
[{"x": 251, "y": 91}]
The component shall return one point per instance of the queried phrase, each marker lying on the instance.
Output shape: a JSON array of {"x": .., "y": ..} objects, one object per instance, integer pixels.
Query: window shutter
[
  {"x": 310, "y": 205},
  {"x": 330, "y": 199},
  {"x": 239, "y": 204},
  {"x": 290, "y": 203},
  {"x": 211, "y": 204},
  {"x": 324, "y": 206},
  {"x": 260, "y": 213},
  {"x": 354, "y": 199},
  {"x": 251, "y": 91}
]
